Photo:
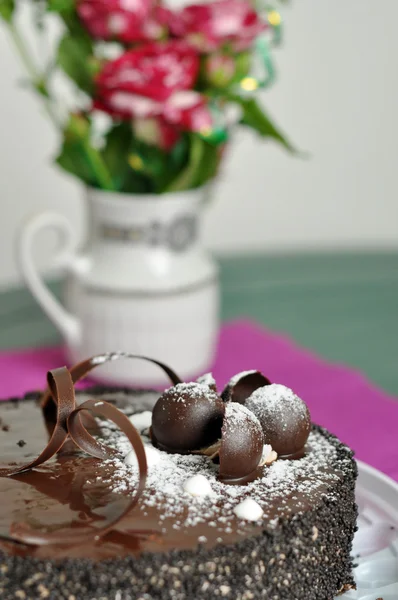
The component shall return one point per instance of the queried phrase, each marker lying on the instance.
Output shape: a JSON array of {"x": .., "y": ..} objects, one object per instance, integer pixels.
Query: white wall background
[{"x": 337, "y": 97}]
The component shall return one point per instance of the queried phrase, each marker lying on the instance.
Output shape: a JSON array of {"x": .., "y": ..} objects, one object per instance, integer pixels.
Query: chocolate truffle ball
[
  {"x": 284, "y": 417},
  {"x": 242, "y": 442},
  {"x": 187, "y": 417},
  {"x": 242, "y": 385}
]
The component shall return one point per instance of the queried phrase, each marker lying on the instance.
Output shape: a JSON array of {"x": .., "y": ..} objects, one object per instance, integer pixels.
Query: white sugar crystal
[
  {"x": 198, "y": 485},
  {"x": 141, "y": 420},
  {"x": 249, "y": 510},
  {"x": 153, "y": 457},
  {"x": 202, "y": 539}
]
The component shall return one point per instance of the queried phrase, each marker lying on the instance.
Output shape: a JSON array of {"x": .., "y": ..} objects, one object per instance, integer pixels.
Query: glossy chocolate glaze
[{"x": 71, "y": 490}]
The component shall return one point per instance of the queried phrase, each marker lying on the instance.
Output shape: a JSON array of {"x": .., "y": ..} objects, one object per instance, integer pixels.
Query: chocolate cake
[{"x": 182, "y": 496}]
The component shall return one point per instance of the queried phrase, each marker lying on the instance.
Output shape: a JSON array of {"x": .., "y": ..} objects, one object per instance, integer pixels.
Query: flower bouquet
[{"x": 157, "y": 91}]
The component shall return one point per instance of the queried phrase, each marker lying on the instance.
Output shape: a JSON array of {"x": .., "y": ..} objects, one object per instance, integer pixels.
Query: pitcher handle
[{"x": 66, "y": 323}]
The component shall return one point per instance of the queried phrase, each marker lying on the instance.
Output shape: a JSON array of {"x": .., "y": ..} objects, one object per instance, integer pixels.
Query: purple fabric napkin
[{"x": 339, "y": 398}]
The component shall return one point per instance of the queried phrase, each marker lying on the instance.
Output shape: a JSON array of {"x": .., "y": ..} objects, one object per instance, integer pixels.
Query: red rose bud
[
  {"x": 219, "y": 69},
  {"x": 209, "y": 27},
  {"x": 125, "y": 21}
]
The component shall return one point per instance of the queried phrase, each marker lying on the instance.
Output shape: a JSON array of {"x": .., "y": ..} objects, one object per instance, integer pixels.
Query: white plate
[{"x": 376, "y": 542}]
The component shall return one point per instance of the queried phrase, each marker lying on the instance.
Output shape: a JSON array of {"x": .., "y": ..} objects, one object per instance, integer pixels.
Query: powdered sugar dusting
[
  {"x": 238, "y": 415},
  {"x": 276, "y": 400},
  {"x": 190, "y": 391},
  {"x": 286, "y": 485},
  {"x": 207, "y": 379}
]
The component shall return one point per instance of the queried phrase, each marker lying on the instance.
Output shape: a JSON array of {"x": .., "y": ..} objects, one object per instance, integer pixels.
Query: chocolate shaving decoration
[
  {"x": 61, "y": 387},
  {"x": 241, "y": 447},
  {"x": 86, "y": 442},
  {"x": 59, "y": 401},
  {"x": 82, "y": 369},
  {"x": 240, "y": 387},
  {"x": 11, "y": 540}
]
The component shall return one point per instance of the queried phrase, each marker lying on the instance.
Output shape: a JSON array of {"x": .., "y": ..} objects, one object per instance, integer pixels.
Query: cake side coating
[{"x": 304, "y": 557}]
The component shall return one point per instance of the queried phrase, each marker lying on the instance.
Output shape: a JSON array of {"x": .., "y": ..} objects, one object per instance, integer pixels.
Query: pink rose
[
  {"x": 155, "y": 81},
  {"x": 209, "y": 27},
  {"x": 125, "y": 21}
]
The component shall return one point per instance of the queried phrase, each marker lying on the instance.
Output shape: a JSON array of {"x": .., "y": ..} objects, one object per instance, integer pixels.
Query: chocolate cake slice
[{"x": 221, "y": 515}]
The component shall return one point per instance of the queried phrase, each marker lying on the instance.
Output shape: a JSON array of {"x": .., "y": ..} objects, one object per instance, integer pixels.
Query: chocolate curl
[
  {"x": 63, "y": 419},
  {"x": 239, "y": 390},
  {"x": 11, "y": 540},
  {"x": 60, "y": 385},
  {"x": 21, "y": 532},
  {"x": 83, "y": 368}
]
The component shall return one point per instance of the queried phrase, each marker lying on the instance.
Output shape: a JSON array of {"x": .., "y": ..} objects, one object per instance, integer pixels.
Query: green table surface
[{"x": 344, "y": 306}]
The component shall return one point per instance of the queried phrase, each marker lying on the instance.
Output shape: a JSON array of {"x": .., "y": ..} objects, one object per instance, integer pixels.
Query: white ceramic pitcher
[{"x": 143, "y": 284}]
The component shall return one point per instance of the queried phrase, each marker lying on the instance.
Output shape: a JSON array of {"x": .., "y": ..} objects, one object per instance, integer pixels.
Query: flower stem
[
  {"x": 33, "y": 73},
  {"x": 98, "y": 165},
  {"x": 24, "y": 54}
]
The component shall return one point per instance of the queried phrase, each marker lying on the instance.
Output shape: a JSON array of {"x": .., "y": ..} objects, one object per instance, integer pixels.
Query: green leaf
[
  {"x": 202, "y": 165},
  {"x": 78, "y": 127},
  {"x": 175, "y": 161},
  {"x": 154, "y": 160},
  {"x": 74, "y": 160},
  {"x": 115, "y": 153},
  {"x": 209, "y": 164},
  {"x": 7, "y": 8},
  {"x": 73, "y": 23},
  {"x": 75, "y": 55},
  {"x": 186, "y": 179},
  {"x": 256, "y": 118},
  {"x": 137, "y": 184},
  {"x": 120, "y": 148},
  {"x": 179, "y": 153},
  {"x": 79, "y": 157},
  {"x": 150, "y": 163},
  {"x": 61, "y": 6}
]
